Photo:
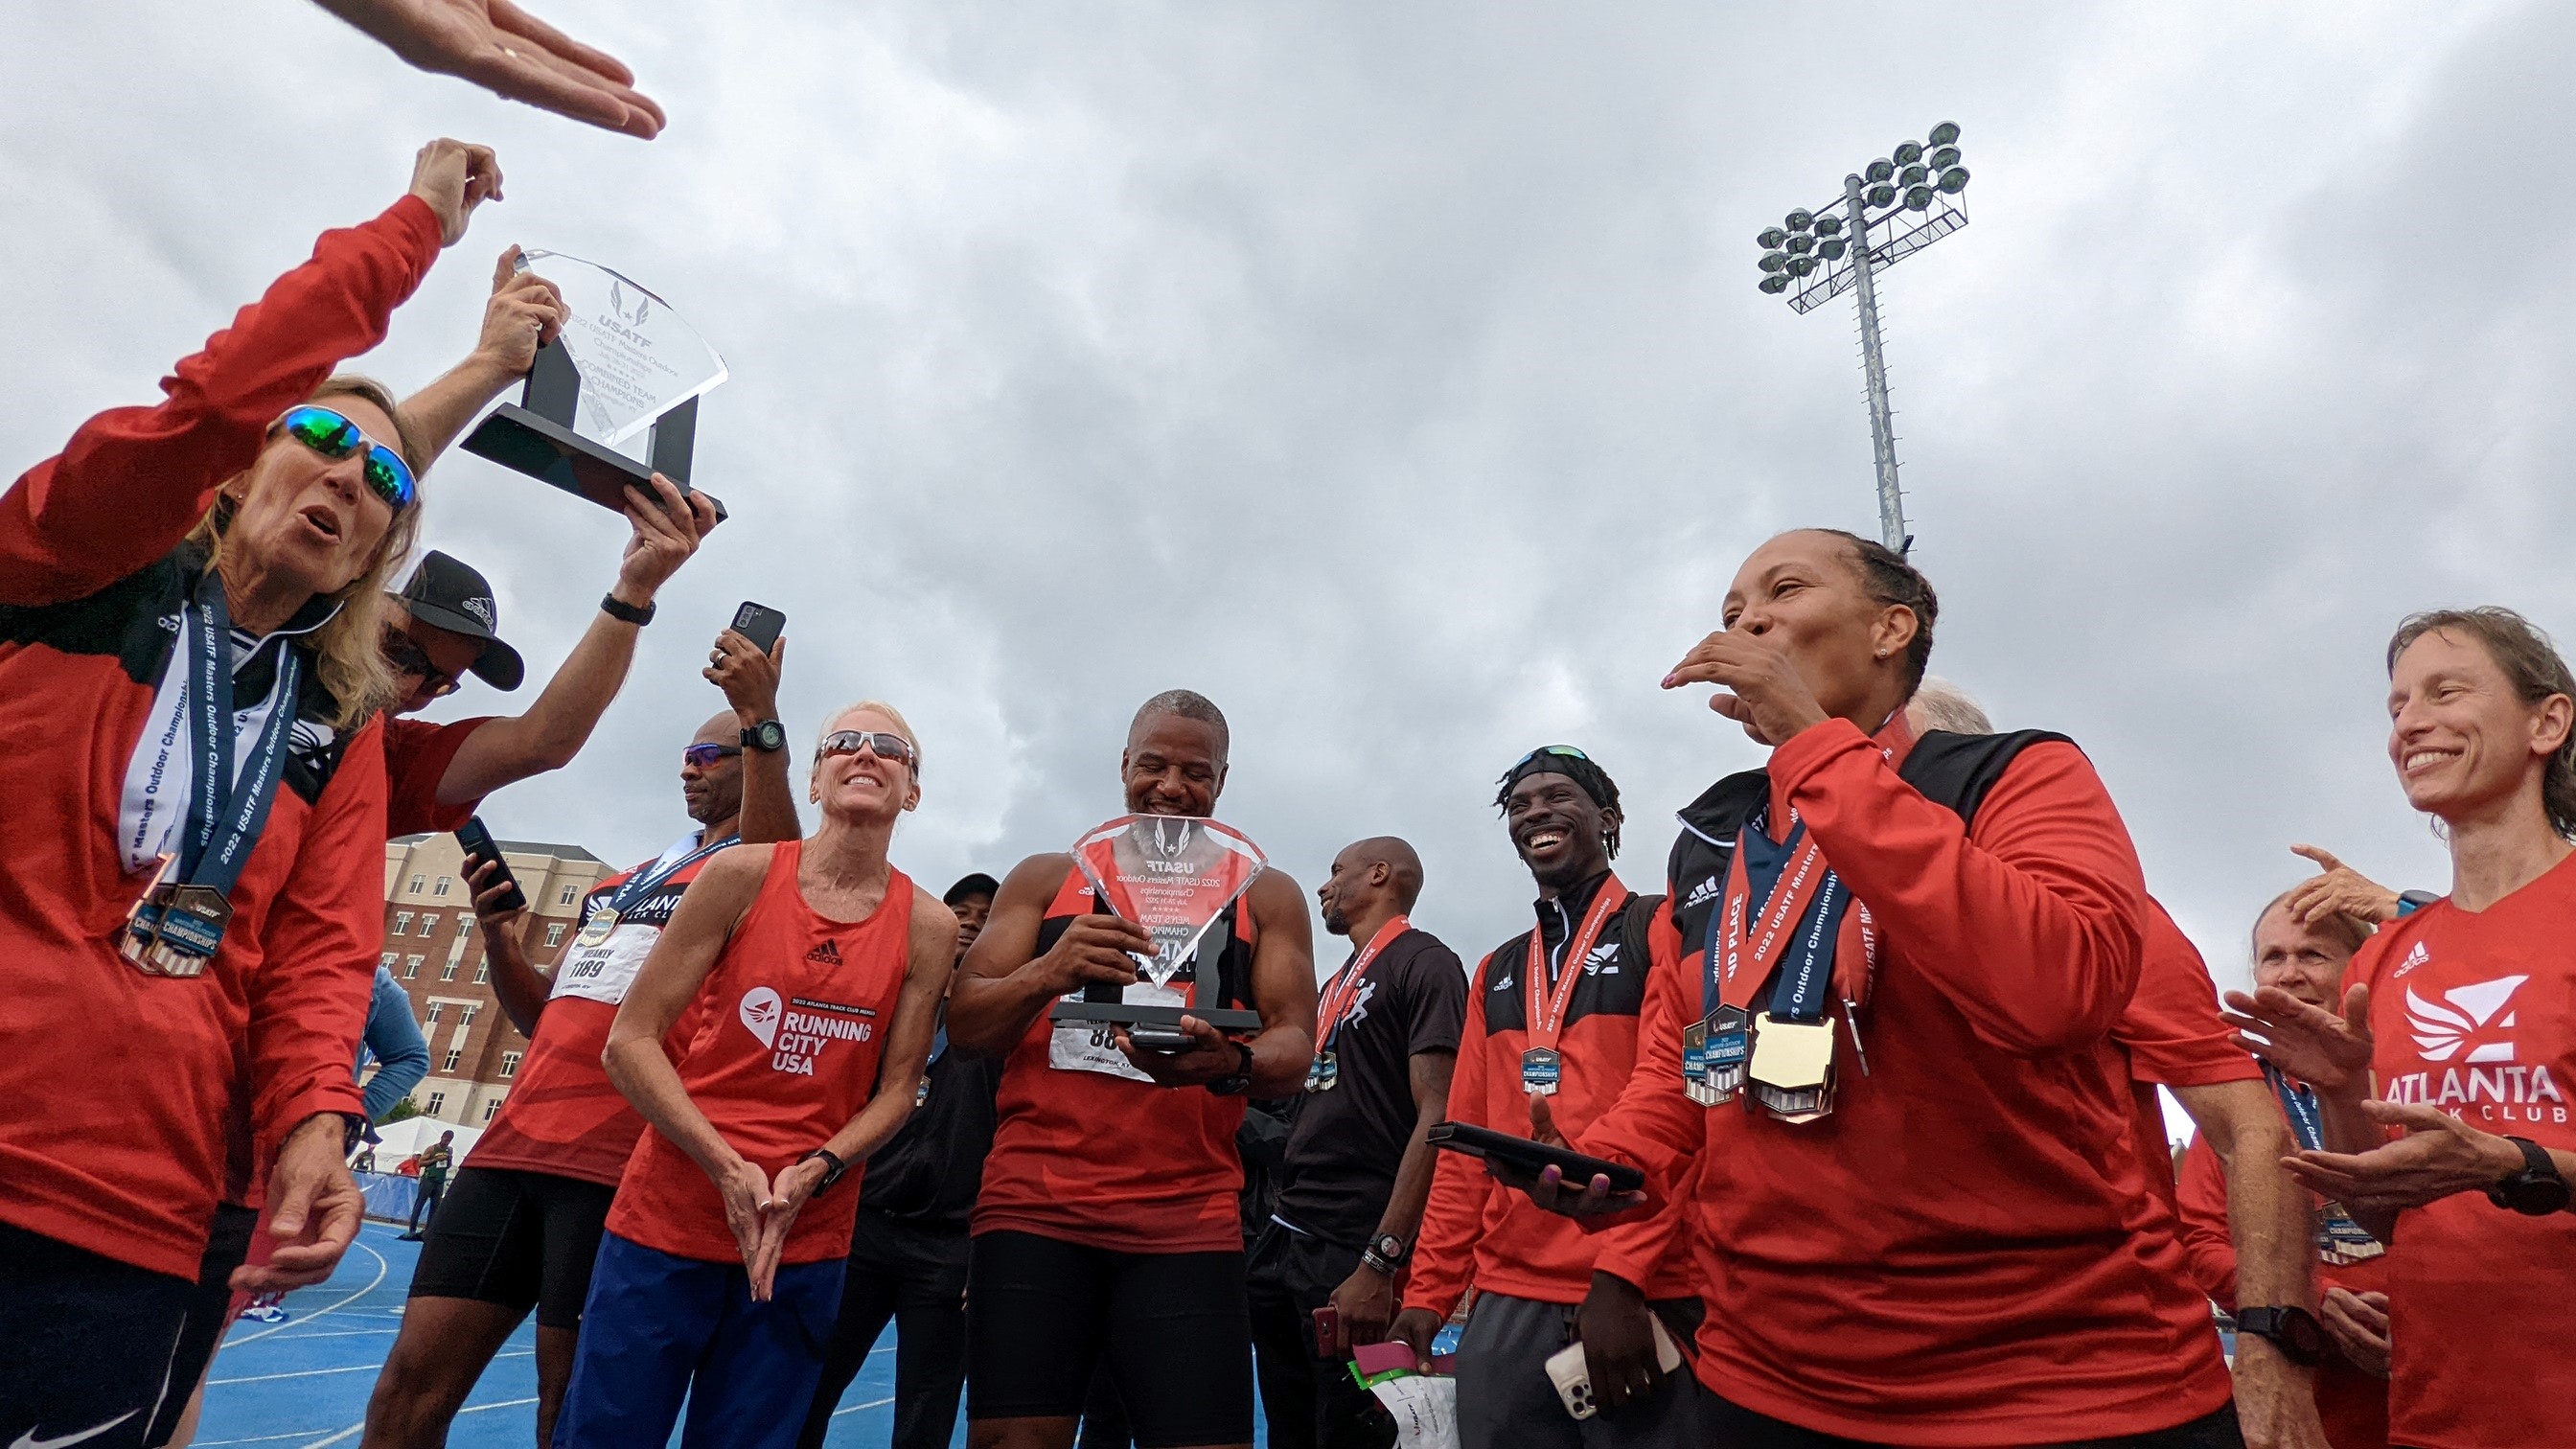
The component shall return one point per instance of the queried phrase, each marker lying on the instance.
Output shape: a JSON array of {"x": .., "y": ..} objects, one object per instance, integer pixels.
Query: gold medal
[
  {"x": 1793, "y": 1067},
  {"x": 596, "y": 930}
]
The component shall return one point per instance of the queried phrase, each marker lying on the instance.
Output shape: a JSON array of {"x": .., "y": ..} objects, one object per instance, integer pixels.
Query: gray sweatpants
[{"x": 1506, "y": 1400}]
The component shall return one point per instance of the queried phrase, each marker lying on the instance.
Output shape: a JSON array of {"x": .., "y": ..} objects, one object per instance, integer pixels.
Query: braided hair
[
  {"x": 1888, "y": 578},
  {"x": 1587, "y": 776}
]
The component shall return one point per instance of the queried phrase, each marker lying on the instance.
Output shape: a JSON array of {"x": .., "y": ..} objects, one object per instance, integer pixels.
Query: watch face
[{"x": 769, "y": 734}]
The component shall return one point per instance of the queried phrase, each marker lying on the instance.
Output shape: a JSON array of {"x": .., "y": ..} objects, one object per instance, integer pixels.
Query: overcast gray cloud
[{"x": 1395, "y": 376}]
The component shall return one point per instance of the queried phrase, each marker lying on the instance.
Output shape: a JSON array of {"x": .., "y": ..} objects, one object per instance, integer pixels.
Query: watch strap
[
  {"x": 833, "y": 1166},
  {"x": 625, "y": 613},
  {"x": 2539, "y": 1190},
  {"x": 768, "y": 736},
  {"x": 1239, "y": 1083}
]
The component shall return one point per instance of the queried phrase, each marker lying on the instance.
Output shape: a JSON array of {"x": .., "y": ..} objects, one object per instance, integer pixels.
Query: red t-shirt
[
  {"x": 417, "y": 754},
  {"x": 1955, "y": 1255},
  {"x": 562, "y": 1117},
  {"x": 2352, "y": 1405},
  {"x": 2171, "y": 1036},
  {"x": 2475, "y": 1013},
  {"x": 1086, "y": 1154},
  {"x": 795, "y": 1016}
]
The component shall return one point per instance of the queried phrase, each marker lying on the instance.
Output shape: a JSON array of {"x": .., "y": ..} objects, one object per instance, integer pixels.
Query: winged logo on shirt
[{"x": 2470, "y": 1017}]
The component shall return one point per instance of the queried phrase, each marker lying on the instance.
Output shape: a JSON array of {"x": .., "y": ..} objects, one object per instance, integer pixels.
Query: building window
[
  {"x": 491, "y": 1107},
  {"x": 411, "y": 967},
  {"x": 567, "y": 895},
  {"x": 483, "y": 971},
  {"x": 447, "y": 972},
  {"x": 472, "y": 1010},
  {"x": 437, "y": 1104},
  {"x": 454, "y": 1055},
  {"x": 437, "y": 1009},
  {"x": 509, "y": 1065},
  {"x": 402, "y": 922},
  {"x": 417, "y": 882},
  {"x": 443, "y": 883},
  {"x": 429, "y": 924},
  {"x": 388, "y": 959},
  {"x": 554, "y": 933},
  {"x": 464, "y": 926}
]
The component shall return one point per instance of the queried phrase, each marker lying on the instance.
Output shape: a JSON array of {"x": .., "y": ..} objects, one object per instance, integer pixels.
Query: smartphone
[
  {"x": 1532, "y": 1157},
  {"x": 1328, "y": 1326},
  {"x": 479, "y": 848},
  {"x": 760, "y": 624},
  {"x": 1153, "y": 1039},
  {"x": 1572, "y": 1376}
]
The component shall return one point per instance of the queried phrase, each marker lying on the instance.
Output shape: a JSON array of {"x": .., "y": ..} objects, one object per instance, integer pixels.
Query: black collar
[{"x": 1557, "y": 918}]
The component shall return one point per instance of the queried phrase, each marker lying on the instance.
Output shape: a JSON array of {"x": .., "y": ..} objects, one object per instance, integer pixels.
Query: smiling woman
[{"x": 189, "y": 596}]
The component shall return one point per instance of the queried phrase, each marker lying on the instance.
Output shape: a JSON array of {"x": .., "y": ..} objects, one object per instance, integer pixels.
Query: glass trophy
[
  {"x": 1173, "y": 875},
  {"x": 626, "y": 367}
]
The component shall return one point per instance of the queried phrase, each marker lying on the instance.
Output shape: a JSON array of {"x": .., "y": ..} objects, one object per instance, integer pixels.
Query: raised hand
[
  {"x": 525, "y": 313},
  {"x": 490, "y": 887},
  {"x": 1758, "y": 687},
  {"x": 2328, "y": 1052},
  {"x": 665, "y": 528},
  {"x": 2338, "y": 889},
  {"x": 511, "y": 53},
  {"x": 454, "y": 178}
]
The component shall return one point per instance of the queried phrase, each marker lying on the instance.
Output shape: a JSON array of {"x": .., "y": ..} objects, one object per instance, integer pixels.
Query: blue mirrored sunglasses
[{"x": 335, "y": 437}]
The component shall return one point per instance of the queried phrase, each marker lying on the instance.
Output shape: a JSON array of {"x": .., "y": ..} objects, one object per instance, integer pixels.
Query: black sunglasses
[
  {"x": 705, "y": 756},
  {"x": 403, "y": 655}
]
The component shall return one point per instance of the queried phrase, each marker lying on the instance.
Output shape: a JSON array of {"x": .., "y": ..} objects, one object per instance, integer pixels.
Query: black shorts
[
  {"x": 520, "y": 1239},
  {"x": 1172, "y": 1328},
  {"x": 210, "y": 1311},
  {"x": 85, "y": 1343}
]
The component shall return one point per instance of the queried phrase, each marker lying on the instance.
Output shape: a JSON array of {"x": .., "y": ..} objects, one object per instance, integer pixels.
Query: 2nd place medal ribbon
[
  {"x": 1740, "y": 960},
  {"x": 1340, "y": 995},
  {"x": 179, "y": 923},
  {"x": 1542, "y": 1067}
]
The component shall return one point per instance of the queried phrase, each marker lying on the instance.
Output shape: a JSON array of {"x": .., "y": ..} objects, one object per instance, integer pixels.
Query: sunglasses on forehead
[
  {"x": 335, "y": 437},
  {"x": 705, "y": 756},
  {"x": 1566, "y": 752},
  {"x": 884, "y": 745}
]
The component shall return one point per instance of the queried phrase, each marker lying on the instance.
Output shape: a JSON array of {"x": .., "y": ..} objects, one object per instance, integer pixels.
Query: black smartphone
[
  {"x": 1578, "y": 1168},
  {"x": 1152, "y": 1039},
  {"x": 480, "y": 847},
  {"x": 760, "y": 624}
]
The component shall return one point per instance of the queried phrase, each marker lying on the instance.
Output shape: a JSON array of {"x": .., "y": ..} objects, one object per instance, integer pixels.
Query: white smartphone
[{"x": 1573, "y": 1381}]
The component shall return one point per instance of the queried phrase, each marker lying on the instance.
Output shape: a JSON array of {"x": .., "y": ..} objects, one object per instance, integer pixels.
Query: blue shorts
[{"x": 657, "y": 1327}]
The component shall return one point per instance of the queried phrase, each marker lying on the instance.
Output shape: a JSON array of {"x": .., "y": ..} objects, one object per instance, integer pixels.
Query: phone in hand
[
  {"x": 760, "y": 624},
  {"x": 1155, "y": 1039},
  {"x": 1328, "y": 1326},
  {"x": 480, "y": 848}
]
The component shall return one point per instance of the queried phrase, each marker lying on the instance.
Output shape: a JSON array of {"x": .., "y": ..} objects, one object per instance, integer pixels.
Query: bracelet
[
  {"x": 1376, "y": 1264},
  {"x": 625, "y": 613}
]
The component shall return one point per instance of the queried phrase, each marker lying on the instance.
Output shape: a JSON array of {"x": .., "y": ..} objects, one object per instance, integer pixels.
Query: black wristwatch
[
  {"x": 1241, "y": 1081},
  {"x": 768, "y": 737},
  {"x": 1385, "y": 1254},
  {"x": 2294, "y": 1331},
  {"x": 2537, "y": 1191},
  {"x": 625, "y": 613},
  {"x": 833, "y": 1167}
]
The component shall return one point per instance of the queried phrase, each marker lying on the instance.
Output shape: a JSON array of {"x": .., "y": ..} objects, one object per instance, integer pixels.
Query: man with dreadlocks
[{"x": 1550, "y": 1037}]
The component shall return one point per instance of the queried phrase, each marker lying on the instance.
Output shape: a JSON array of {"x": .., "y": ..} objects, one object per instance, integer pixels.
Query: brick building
[{"x": 432, "y": 946}]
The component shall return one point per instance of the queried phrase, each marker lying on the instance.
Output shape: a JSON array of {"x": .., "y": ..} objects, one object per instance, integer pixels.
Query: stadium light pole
[{"x": 1838, "y": 252}]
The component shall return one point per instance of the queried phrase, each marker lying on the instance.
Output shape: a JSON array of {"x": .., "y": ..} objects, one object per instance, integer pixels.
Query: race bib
[
  {"x": 1070, "y": 1047},
  {"x": 602, "y": 972}
]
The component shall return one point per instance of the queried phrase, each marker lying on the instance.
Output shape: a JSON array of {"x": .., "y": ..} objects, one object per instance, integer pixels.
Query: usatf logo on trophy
[{"x": 1173, "y": 875}]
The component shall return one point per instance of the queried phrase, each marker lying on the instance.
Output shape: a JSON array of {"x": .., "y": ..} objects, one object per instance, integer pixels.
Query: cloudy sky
[{"x": 1395, "y": 376}]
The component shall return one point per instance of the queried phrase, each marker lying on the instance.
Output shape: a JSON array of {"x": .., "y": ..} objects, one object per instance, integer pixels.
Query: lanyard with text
[
  {"x": 1784, "y": 911},
  {"x": 175, "y": 929},
  {"x": 2340, "y": 1241},
  {"x": 642, "y": 884},
  {"x": 1542, "y": 1066},
  {"x": 1340, "y": 995}
]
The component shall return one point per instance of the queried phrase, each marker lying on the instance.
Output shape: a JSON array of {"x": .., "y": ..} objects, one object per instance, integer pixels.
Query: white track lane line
[
  {"x": 351, "y": 1432},
  {"x": 854, "y": 1408},
  {"x": 382, "y": 1268},
  {"x": 358, "y": 1368}
]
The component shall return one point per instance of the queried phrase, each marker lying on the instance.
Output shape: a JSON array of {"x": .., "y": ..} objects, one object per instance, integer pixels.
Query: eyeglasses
[
  {"x": 886, "y": 746},
  {"x": 335, "y": 437},
  {"x": 705, "y": 756},
  {"x": 403, "y": 655},
  {"x": 1567, "y": 752}
]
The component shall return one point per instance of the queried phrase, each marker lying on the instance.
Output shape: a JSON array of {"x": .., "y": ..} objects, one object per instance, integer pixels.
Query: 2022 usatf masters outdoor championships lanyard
[
  {"x": 1340, "y": 995},
  {"x": 2341, "y": 1241},
  {"x": 639, "y": 886},
  {"x": 1788, "y": 921},
  {"x": 1542, "y": 1066}
]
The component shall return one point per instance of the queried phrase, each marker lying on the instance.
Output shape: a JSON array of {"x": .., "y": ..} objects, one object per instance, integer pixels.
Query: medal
[
  {"x": 1730, "y": 1046},
  {"x": 921, "y": 1094},
  {"x": 1695, "y": 1065},
  {"x": 191, "y": 928},
  {"x": 2341, "y": 1242},
  {"x": 1341, "y": 996},
  {"x": 1323, "y": 1073},
  {"x": 143, "y": 921},
  {"x": 1541, "y": 1069},
  {"x": 1793, "y": 1067},
  {"x": 596, "y": 930}
]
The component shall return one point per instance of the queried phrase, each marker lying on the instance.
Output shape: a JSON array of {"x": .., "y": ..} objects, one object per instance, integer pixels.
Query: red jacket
[
  {"x": 116, "y": 1087},
  {"x": 1953, "y": 1256}
]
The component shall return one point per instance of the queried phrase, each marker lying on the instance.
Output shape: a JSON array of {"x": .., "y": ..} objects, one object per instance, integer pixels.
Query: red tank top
[
  {"x": 790, "y": 1025},
  {"x": 1103, "y": 1160}
]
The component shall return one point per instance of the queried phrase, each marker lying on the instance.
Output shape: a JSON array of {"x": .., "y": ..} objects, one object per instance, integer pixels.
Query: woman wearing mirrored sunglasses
[{"x": 188, "y": 936}]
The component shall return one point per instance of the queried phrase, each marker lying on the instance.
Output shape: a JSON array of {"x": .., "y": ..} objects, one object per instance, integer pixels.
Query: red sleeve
[
  {"x": 2206, "y": 1240},
  {"x": 417, "y": 754},
  {"x": 2031, "y": 928},
  {"x": 1632, "y": 1247},
  {"x": 134, "y": 480},
  {"x": 1444, "y": 1250},
  {"x": 317, "y": 970},
  {"x": 1654, "y": 1125},
  {"x": 2171, "y": 1026}
]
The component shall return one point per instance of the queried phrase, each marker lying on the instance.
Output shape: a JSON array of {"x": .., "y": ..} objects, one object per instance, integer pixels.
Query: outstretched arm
[
  {"x": 1004, "y": 982},
  {"x": 511, "y": 53}
]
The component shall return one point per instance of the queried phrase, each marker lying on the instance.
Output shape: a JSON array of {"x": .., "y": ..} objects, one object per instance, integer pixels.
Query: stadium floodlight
[{"x": 1911, "y": 201}]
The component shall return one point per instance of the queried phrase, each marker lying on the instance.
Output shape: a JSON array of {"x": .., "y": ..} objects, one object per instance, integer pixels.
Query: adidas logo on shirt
[
  {"x": 2414, "y": 958},
  {"x": 1701, "y": 894},
  {"x": 1503, "y": 982},
  {"x": 828, "y": 954}
]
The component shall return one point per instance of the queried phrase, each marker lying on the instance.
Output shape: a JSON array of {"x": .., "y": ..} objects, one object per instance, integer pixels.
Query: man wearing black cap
[{"x": 908, "y": 1256}]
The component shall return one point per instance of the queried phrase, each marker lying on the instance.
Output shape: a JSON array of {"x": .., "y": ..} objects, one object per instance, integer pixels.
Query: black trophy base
[
  {"x": 543, "y": 449},
  {"x": 1168, "y": 1018}
]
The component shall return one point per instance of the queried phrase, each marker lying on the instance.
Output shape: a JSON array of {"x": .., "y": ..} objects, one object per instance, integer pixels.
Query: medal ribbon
[
  {"x": 642, "y": 883},
  {"x": 225, "y": 812},
  {"x": 2307, "y": 1120},
  {"x": 1342, "y": 992},
  {"x": 1544, "y": 1026},
  {"x": 1779, "y": 883}
]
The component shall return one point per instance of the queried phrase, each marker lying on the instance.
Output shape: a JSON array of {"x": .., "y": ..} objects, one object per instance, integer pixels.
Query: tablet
[{"x": 1530, "y": 1156}]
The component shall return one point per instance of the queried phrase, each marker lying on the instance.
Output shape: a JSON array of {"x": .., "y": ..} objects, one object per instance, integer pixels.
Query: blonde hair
[
  {"x": 348, "y": 649},
  {"x": 902, "y": 727}
]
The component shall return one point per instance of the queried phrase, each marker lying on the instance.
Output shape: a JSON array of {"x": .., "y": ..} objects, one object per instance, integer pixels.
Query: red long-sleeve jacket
[
  {"x": 1952, "y": 1257},
  {"x": 117, "y": 1088}
]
